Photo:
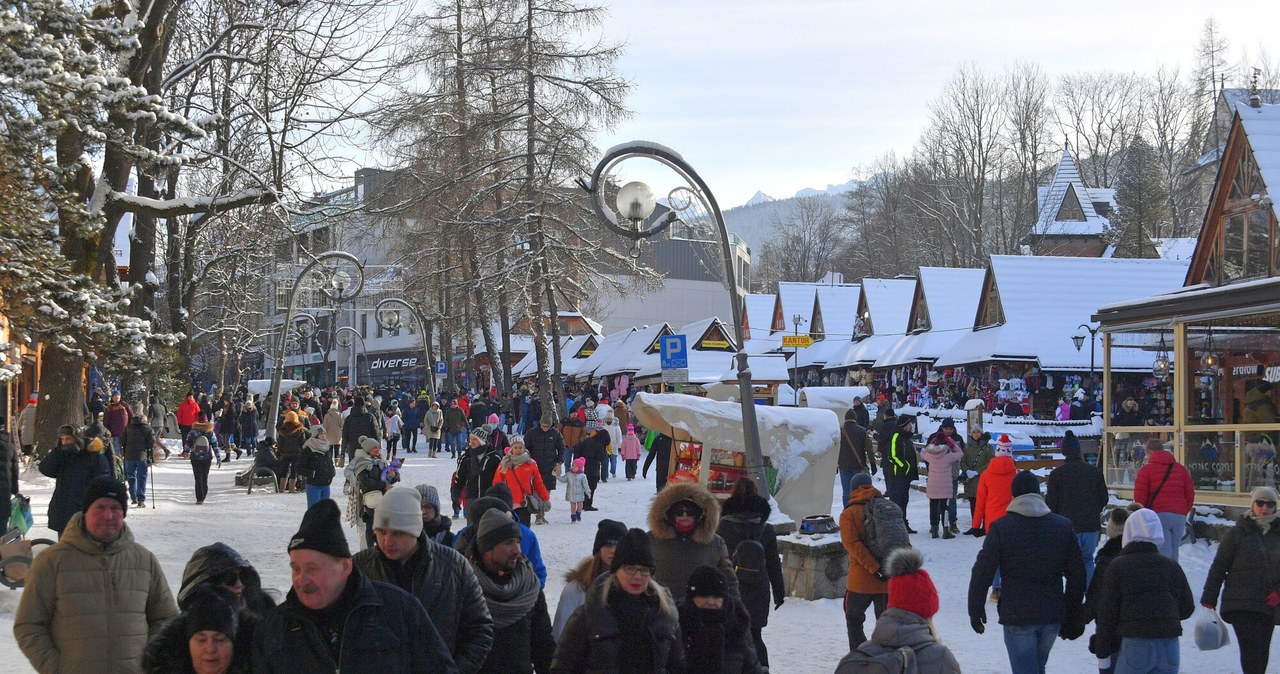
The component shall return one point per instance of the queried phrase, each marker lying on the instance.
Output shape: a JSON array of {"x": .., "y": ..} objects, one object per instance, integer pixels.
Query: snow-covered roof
[
  {"x": 1045, "y": 299},
  {"x": 888, "y": 305},
  {"x": 705, "y": 364},
  {"x": 528, "y": 366},
  {"x": 839, "y": 306},
  {"x": 519, "y": 343},
  {"x": 950, "y": 300},
  {"x": 1066, "y": 205},
  {"x": 635, "y": 354},
  {"x": 1262, "y": 130},
  {"x": 796, "y": 298},
  {"x": 759, "y": 314},
  {"x": 608, "y": 345},
  {"x": 1176, "y": 248},
  {"x": 819, "y": 353}
]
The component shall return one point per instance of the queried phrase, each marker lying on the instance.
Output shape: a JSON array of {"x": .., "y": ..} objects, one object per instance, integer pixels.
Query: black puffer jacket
[
  {"x": 359, "y": 422},
  {"x": 1078, "y": 492},
  {"x": 1144, "y": 596},
  {"x": 718, "y": 640},
  {"x": 72, "y": 467},
  {"x": 168, "y": 652},
  {"x": 8, "y": 469},
  {"x": 386, "y": 631},
  {"x": 592, "y": 640},
  {"x": 743, "y": 519},
  {"x": 316, "y": 466},
  {"x": 547, "y": 449},
  {"x": 1033, "y": 550},
  {"x": 137, "y": 441},
  {"x": 1242, "y": 563},
  {"x": 443, "y": 581}
]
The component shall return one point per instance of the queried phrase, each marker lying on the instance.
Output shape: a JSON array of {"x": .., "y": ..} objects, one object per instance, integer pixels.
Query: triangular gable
[
  {"x": 588, "y": 347},
  {"x": 746, "y": 320},
  {"x": 1067, "y": 206},
  {"x": 817, "y": 330},
  {"x": 1239, "y": 238},
  {"x": 918, "y": 320},
  {"x": 990, "y": 309},
  {"x": 778, "y": 322},
  {"x": 657, "y": 339},
  {"x": 862, "y": 324},
  {"x": 1070, "y": 210},
  {"x": 714, "y": 338}
]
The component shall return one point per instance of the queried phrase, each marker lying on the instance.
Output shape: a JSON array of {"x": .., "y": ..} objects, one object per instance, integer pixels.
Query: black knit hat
[
  {"x": 904, "y": 419},
  {"x": 608, "y": 532},
  {"x": 1070, "y": 445},
  {"x": 706, "y": 581},
  {"x": 495, "y": 527},
  {"x": 503, "y": 492},
  {"x": 633, "y": 549},
  {"x": 1025, "y": 482},
  {"x": 483, "y": 505},
  {"x": 105, "y": 486},
  {"x": 212, "y": 608},
  {"x": 321, "y": 531}
]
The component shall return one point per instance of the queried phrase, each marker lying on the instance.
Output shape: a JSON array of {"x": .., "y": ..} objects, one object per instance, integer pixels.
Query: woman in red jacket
[
  {"x": 1165, "y": 486},
  {"x": 520, "y": 473},
  {"x": 995, "y": 491}
]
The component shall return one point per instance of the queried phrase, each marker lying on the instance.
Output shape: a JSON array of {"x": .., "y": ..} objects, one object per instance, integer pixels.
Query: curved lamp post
[
  {"x": 389, "y": 318},
  {"x": 1078, "y": 340},
  {"x": 338, "y": 339},
  {"x": 635, "y": 203},
  {"x": 342, "y": 278}
]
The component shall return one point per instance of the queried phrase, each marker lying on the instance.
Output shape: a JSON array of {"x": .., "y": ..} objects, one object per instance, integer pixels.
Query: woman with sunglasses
[
  {"x": 1248, "y": 561},
  {"x": 682, "y": 527},
  {"x": 628, "y": 623},
  {"x": 220, "y": 565}
]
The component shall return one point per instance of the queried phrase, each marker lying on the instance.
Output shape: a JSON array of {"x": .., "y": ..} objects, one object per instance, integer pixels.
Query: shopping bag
[
  {"x": 1211, "y": 632},
  {"x": 20, "y": 514}
]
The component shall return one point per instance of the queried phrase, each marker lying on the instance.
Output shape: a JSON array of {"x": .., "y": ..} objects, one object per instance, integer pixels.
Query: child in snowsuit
[
  {"x": 630, "y": 451},
  {"x": 576, "y": 488}
]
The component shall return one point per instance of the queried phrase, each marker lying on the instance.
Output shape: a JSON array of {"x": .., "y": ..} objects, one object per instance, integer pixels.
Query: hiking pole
[{"x": 151, "y": 466}]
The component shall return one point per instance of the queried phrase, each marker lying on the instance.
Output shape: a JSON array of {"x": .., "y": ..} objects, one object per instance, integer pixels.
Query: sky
[{"x": 779, "y": 96}]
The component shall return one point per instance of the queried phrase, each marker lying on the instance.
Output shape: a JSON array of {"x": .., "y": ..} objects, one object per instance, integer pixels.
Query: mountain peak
[{"x": 759, "y": 198}]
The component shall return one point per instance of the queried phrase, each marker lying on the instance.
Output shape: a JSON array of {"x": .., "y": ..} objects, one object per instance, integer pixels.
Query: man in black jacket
[
  {"x": 8, "y": 465},
  {"x": 138, "y": 443},
  {"x": 438, "y": 576},
  {"x": 1078, "y": 492},
  {"x": 521, "y": 622},
  {"x": 660, "y": 454},
  {"x": 336, "y": 619},
  {"x": 359, "y": 422},
  {"x": 1034, "y": 550},
  {"x": 546, "y": 446},
  {"x": 854, "y": 457}
]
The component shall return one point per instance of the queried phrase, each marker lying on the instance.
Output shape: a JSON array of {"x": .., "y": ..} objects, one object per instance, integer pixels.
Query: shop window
[
  {"x": 1128, "y": 453},
  {"x": 1233, "y": 373},
  {"x": 1210, "y": 457},
  {"x": 1248, "y": 242},
  {"x": 1140, "y": 395}
]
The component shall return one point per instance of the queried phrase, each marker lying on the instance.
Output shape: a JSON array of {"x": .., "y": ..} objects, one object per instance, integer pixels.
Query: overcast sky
[{"x": 778, "y": 96}]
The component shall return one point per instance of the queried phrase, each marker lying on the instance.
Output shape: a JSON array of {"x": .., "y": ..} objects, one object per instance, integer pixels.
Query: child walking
[
  {"x": 631, "y": 451},
  {"x": 576, "y": 487}
]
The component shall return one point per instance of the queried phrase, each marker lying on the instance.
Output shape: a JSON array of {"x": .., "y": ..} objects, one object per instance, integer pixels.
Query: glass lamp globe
[{"x": 636, "y": 201}]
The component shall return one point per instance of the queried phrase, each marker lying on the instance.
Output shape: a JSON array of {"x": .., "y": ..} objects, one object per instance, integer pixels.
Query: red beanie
[{"x": 910, "y": 587}]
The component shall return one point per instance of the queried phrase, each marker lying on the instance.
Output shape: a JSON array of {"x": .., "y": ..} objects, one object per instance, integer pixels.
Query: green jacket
[
  {"x": 89, "y": 607},
  {"x": 977, "y": 454}
]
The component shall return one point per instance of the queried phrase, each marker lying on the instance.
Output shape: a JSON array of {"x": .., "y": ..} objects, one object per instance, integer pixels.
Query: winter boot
[
  {"x": 909, "y": 529},
  {"x": 946, "y": 533},
  {"x": 933, "y": 532},
  {"x": 955, "y": 528}
]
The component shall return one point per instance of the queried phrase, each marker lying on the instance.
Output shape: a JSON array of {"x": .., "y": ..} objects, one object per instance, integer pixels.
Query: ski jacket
[
  {"x": 995, "y": 490},
  {"x": 1078, "y": 492},
  {"x": 1178, "y": 493}
]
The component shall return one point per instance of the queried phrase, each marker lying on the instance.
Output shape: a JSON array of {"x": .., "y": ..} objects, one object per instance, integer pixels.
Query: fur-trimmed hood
[
  {"x": 660, "y": 526},
  {"x": 168, "y": 652}
]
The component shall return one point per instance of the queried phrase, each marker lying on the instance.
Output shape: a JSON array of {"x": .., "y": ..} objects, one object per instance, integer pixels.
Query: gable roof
[
  {"x": 887, "y": 304},
  {"x": 796, "y": 298},
  {"x": 1043, "y": 296},
  {"x": 1066, "y": 206},
  {"x": 949, "y": 298},
  {"x": 757, "y": 314},
  {"x": 635, "y": 353}
]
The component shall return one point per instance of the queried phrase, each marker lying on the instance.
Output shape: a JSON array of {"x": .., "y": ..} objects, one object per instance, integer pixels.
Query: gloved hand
[
  {"x": 1071, "y": 630},
  {"x": 777, "y": 604},
  {"x": 976, "y": 532},
  {"x": 978, "y": 622}
]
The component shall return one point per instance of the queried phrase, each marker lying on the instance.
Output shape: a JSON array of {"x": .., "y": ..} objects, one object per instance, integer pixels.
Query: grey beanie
[
  {"x": 400, "y": 510},
  {"x": 495, "y": 527},
  {"x": 429, "y": 495}
]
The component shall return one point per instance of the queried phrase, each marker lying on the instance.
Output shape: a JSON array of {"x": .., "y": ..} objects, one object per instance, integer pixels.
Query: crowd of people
[{"x": 1040, "y": 555}]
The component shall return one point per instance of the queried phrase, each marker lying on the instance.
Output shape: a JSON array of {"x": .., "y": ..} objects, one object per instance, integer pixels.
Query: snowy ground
[{"x": 803, "y": 636}]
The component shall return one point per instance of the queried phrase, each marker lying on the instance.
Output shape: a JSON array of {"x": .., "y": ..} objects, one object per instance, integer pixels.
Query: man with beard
[
  {"x": 336, "y": 619},
  {"x": 522, "y": 625},
  {"x": 438, "y": 576}
]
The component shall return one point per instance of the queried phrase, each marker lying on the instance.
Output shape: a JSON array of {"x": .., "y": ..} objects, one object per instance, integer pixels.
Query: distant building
[{"x": 1072, "y": 218}]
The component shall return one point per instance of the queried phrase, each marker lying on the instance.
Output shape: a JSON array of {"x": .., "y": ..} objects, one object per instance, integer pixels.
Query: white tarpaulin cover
[
  {"x": 838, "y": 399},
  {"x": 802, "y": 444},
  {"x": 263, "y": 386}
]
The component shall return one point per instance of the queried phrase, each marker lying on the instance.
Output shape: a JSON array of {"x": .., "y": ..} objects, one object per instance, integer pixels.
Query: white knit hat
[
  {"x": 399, "y": 510},
  {"x": 1004, "y": 446}
]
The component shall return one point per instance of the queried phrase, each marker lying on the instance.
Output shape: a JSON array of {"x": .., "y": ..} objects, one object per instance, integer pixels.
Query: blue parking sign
[
  {"x": 442, "y": 367},
  {"x": 674, "y": 352}
]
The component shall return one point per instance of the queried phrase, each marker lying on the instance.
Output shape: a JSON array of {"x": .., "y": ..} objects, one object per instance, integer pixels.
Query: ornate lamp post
[
  {"x": 340, "y": 277},
  {"x": 1093, "y": 339},
  {"x": 389, "y": 318},
  {"x": 635, "y": 203},
  {"x": 345, "y": 337}
]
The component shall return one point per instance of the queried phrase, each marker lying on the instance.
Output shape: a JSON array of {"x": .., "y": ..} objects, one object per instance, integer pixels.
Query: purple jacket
[{"x": 116, "y": 417}]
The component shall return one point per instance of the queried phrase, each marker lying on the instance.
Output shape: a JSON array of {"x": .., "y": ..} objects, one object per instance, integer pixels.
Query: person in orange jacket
[
  {"x": 867, "y": 584},
  {"x": 995, "y": 491},
  {"x": 520, "y": 473}
]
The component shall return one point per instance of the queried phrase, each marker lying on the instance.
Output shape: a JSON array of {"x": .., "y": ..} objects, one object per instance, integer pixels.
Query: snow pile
[{"x": 802, "y": 444}]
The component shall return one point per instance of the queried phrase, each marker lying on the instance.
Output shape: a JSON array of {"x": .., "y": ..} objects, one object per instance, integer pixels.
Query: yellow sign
[
  {"x": 714, "y": 344},
  {"x": 796, "y": 341}
]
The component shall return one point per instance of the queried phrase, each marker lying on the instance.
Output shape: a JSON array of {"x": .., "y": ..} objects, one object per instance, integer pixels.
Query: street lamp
[
  {"x": 338, "y": 336},
  {"x": 1079, "y": 342},
  {"x": 389, "y": 318},
  {"x": 636, "y": 204},
  {"x": 341, "y": 278},
  {"x": 796, "y": 319}
]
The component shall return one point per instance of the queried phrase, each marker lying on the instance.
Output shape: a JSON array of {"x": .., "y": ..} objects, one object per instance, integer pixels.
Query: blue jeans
[
  {"x": 613, "y": 465},
  {"x": 316, "y": 494},
  {"x": 136, "y": 473},
  {"x": 455, "y": 442},
  {"x": 846, "y": 476},
  {"x": 1028, "y": 646},
  {"x": 1174, "y": 525},
  {"x": 1147, "y": 656},
  {"x": 1088, "y": 542}
]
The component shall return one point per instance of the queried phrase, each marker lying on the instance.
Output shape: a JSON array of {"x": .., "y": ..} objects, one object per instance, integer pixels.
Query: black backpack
[
  {"x": 871, "y": 658},
  {"x": 884, "y": 529}
]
